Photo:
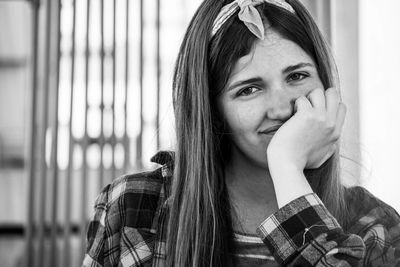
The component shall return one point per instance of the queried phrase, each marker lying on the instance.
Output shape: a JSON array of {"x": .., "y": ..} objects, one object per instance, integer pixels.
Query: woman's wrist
[
  {"x": 289, "y": 181},
  {"x": 277, "y": 157}
]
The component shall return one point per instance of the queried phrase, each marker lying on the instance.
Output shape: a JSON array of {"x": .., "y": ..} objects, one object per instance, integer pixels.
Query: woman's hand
[{"x": 309, "y": 137}]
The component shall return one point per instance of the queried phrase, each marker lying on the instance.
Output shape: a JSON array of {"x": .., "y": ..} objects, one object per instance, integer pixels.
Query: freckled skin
[{"x": 269, "y": 103}]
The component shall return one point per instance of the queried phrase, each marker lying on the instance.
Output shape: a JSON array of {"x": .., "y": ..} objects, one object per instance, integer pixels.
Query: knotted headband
[{"x": 248, "y": 14}]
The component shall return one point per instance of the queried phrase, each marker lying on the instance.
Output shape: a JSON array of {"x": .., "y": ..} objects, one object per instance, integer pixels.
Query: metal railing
[{"x": 54, "y": 224}]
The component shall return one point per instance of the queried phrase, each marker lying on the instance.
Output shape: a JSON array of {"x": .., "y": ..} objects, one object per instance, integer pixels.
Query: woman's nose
[{"x": 280, "y": 106}]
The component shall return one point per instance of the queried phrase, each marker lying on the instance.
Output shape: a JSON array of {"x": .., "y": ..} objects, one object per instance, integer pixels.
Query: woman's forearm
[{"x": 289, "y": 181}]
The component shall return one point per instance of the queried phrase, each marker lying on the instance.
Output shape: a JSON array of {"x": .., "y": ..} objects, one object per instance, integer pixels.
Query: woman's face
[{"x": 261, "y": 91}]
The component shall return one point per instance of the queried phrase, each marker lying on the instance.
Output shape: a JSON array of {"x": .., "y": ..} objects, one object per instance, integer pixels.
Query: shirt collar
[{"x": 164, "y": 157}]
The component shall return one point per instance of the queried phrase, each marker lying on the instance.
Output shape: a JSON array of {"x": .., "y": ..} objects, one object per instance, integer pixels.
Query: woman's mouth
[
  {"x": 271, "y": 130},
  {"x": 269, "y": 133}
]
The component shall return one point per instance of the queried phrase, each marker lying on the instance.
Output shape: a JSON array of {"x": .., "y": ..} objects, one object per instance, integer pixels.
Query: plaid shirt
[{"x": 129, "y": 227}]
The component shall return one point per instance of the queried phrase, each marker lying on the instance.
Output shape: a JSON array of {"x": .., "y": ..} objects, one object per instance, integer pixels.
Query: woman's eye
[
  {"x": 247, "y": 91},
  {"x": 297, "y": 76}
]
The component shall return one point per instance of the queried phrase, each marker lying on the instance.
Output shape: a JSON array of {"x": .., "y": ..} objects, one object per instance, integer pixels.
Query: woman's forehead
[{"x": 271, "y": 55}]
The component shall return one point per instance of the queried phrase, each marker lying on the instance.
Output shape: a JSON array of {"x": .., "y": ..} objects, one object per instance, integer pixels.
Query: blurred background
[{"x": 85, "y": 96}]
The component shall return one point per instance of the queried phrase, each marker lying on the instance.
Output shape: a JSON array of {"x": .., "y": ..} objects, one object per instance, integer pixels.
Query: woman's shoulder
[
  {"x": 378, "y": 224},
  {"x": 138, "y": 196},
  {"x": 129, "y": 208},
  {"x": 367, "y": 210}
]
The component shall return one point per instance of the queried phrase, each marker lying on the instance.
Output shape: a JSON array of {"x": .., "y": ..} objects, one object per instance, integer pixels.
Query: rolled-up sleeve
[{"x": 304, "y": 233}]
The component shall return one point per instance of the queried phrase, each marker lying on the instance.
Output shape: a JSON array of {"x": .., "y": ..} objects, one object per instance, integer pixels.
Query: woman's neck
[
  {"x": 251, "y": 193},
  {"x": 247, "y": 181}
]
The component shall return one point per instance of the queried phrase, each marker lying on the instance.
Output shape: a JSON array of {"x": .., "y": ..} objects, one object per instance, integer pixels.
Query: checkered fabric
[{"x": 130, "y": 219}]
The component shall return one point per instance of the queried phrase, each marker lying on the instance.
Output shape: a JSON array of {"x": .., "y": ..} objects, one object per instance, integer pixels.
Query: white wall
[
  {"x": 380, "y": 97},
  {"x": 345, "y": 45}
]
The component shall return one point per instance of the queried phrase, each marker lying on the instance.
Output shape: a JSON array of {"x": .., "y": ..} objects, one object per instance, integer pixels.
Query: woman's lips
[{"x": 272, "y": 130}]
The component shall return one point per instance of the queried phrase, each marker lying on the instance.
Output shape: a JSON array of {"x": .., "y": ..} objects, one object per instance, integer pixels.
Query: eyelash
[
  {"x": 244, "y": 89},
  {"x": 303, "y": 76}
]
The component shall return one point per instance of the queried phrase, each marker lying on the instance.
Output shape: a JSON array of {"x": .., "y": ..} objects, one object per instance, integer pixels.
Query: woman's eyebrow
[
  {"x": 251, "y": 80},
  {"x": 297, "y": 66}
]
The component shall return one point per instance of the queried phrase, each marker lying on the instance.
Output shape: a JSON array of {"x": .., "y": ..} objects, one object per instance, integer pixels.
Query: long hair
[{"x": 199, "y": 226}]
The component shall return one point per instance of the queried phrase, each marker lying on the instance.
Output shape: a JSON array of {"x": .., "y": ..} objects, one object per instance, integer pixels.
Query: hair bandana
[{"x": 248, "y": 14}]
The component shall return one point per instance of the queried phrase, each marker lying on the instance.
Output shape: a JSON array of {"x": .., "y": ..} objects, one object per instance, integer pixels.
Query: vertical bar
[
  {"x": 102, "y": 94},
  {"x": 113, "y": 138},
  {"x": 32, "y": 148},
  {"x": 333, "y": 25},
  {"x": 67, "y": 229},
  {"x": 126, "y": 144},
  {"x": 139, "y": 138},
  {"x": 324, "y": 18},
  {"x": 53, "y": 240},
  {"x": 85, "y": 139},
  {"x": 158, "y": 70},
  {"x": 43, "y": 165}
]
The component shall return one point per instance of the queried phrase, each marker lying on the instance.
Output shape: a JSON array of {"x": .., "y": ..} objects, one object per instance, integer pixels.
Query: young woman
[{"x": 254, "y": 179}]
